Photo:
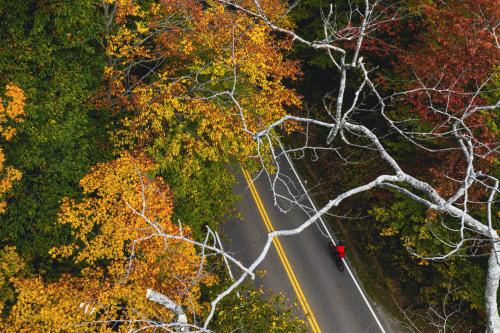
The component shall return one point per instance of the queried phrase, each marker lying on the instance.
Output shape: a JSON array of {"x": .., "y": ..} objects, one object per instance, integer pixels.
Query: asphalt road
[{"x": 333, "y": 298}]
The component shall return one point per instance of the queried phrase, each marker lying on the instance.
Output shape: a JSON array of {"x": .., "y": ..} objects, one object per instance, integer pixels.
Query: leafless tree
[
  {"x": 439, "y": 318},
  {"x": 344, "y": 128},
  {"x": 343, "y": 44}
]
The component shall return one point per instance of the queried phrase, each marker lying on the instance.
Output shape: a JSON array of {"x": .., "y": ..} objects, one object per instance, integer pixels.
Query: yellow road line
[{"x": 281, "y": 253}]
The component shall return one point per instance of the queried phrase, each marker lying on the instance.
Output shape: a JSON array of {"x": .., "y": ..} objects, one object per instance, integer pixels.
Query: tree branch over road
[{"x": 344, "y": 127}]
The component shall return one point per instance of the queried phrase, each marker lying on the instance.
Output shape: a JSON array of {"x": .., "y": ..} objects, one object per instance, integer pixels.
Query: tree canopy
[{"x": 122, "y": 124}]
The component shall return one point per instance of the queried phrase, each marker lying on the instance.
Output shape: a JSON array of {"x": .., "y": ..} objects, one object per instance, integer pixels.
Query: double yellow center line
[{"x": 281, "y": 253}]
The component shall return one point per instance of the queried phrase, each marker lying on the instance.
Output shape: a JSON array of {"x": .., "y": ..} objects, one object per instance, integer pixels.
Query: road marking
[
  {"x": 281, "y": 254},
  {"x": 331, "y": 238}
]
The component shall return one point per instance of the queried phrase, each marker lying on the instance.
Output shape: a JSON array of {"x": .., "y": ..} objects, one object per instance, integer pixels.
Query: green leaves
[
  {"x": 255, "y": 312},
  {"x": 423, "y": 232},
  {"x": 49, "y": 48}
]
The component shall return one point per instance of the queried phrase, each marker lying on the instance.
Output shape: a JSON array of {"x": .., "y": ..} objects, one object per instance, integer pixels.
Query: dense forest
[{"x": 124, "y": 122}]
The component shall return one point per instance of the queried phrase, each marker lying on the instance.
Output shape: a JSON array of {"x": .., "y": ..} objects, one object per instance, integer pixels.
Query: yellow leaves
[
  {"x": 407, "y": 242},
  {"x": 141, "y": 27},
  {"x": 123, "y": 45},
  {"x": 63, "y": 251},
  {"x": 217, "y": 70},
  {"x": 155, "y": 8},
  {"x": 11, "y": 111},
  {"x": 380, "y": 214},
  {"x": 195, "y": 56},
  {"x": 187, "y": 46},
  {"x": 108, "y": 72},
  {"x": 210, "y": 280},
  {"x": 10, "y": 264},
  {"x": 8, "y": 133},
  {"x": 116, "y": 228},
  {"x": 389, "y": 231},
  {"x": 114, "y": 190},
  {"x": 423, "y": 262},
  {"x": 424, "y": 234},
  {"x": 15, "y": 108},
  {"x": 107, "y": 221},
  {"x": 47, "y": 307}
]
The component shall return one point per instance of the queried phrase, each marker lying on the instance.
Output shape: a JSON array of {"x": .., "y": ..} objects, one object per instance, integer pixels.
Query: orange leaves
[
  {"x": 121, "y": 221},
  {"x": 118, "y": 229},
  {"x": 180, "y": 78},
  {"x": 114, "y": 190},
  {"x": 11, "y": 110},
  {"x": 45, "y": 308}
]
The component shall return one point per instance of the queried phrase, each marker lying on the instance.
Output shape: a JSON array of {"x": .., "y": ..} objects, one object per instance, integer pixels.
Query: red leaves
[
  {"x": 455, "y": 55},
  {"x": 457, "y": 40}
]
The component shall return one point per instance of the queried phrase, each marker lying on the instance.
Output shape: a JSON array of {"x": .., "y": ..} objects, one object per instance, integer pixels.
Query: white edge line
[{"x": 331, "y": 238}]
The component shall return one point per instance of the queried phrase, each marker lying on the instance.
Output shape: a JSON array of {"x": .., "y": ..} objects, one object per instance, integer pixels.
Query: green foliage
[
  {"x": 427, "y": 31},
  {"x": 423, "y": 233},
  {"x": 204, "y": 198},
  {"x": 252, "y": 312},
  {"x": 10, "y": 265},
  {"x": 50, "y": 49},
  {"x": 492, "y": 96}
]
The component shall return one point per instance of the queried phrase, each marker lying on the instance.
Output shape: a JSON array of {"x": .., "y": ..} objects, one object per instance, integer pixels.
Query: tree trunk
[{"x": 490, "y": 295}]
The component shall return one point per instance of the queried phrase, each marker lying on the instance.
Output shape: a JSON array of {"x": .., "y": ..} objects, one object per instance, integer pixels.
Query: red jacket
[{"x": 341, "y": 251}]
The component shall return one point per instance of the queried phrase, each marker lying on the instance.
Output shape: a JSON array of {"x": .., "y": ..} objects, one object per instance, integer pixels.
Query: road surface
[{"x": 333, "y": 303}]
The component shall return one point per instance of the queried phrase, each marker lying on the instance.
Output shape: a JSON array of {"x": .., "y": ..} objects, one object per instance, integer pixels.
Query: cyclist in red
[{"x": 340, "y": 250}]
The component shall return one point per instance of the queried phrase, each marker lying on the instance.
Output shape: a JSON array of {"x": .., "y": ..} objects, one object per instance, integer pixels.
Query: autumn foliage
[
  {"x": 166, "y": 94},
  {"x": 455, "y": 56},
  {"x": 176, "y": 63},
  {"x": 11, "y": 112},
  {"x": 176, "y": 70},
  {"x": 168, "y": 125},
  {"x": 117, "y": 242}
]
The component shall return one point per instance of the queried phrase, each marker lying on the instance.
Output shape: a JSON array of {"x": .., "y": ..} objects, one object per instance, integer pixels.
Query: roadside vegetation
[
  {"x": 121, "y": 122},
  {"x": 446, "y": 45}
]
